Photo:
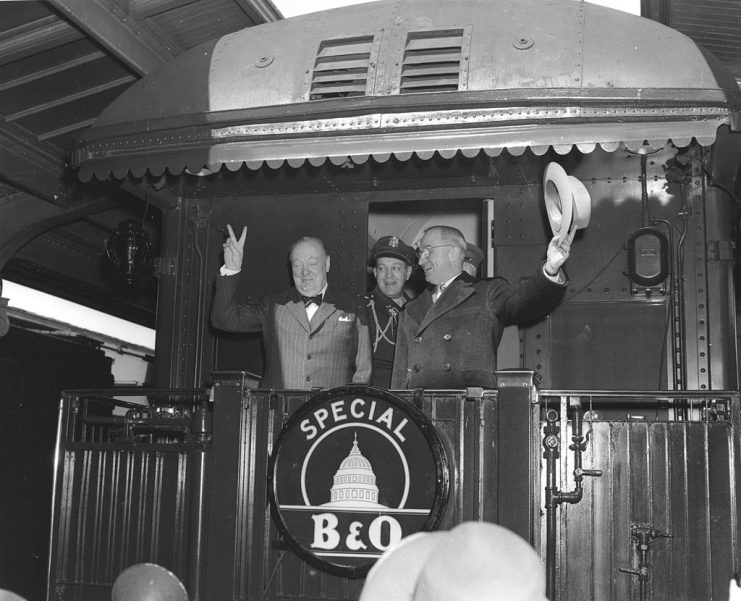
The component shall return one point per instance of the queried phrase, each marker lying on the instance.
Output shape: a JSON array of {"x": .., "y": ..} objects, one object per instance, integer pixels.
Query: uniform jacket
[
  {"x": 332, "y": 350},
  {"x": 452, "y": 343},
  {"x": 383, "y": 321}
]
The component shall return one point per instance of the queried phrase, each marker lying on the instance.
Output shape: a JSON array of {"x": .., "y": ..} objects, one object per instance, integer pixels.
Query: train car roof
[{"x": 416, "y": 77}]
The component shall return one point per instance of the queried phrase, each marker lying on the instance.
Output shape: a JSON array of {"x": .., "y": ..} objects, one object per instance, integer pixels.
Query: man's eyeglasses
[{"x": 426, "y": 250}]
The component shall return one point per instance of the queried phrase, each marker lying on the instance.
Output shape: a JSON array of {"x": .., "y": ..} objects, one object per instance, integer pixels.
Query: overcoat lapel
[
  {"x": 418, "y": 308},
  {"x": 454, "y": 295}
]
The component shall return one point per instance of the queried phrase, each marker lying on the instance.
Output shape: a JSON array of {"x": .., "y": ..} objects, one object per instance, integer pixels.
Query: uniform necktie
[{"x": 439, "y": 289}]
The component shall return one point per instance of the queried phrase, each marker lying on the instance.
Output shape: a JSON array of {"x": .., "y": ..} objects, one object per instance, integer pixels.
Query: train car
[{"x": 611, "y": 441}]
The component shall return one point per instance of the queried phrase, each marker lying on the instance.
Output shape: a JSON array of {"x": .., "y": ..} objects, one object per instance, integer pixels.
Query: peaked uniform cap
[{"x": 391, "y": 246}]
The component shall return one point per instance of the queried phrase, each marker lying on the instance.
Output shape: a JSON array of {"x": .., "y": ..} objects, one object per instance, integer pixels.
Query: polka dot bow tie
[{"x": 317, "y": 300}]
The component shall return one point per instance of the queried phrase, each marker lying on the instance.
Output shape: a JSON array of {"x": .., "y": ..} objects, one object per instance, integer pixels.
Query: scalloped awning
[{"x": 381, "y": 136}]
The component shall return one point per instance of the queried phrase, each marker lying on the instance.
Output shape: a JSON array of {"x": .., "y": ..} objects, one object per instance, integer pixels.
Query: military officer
[{"x": 392, "y": 262}]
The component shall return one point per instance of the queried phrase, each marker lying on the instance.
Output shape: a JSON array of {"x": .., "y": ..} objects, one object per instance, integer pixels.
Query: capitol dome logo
[
  {"x": 354, "y": 482},
  {"x": 353, "y": 471}
]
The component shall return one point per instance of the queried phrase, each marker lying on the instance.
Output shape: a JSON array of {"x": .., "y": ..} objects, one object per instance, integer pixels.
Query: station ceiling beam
[{"x": 119, "y": 32}]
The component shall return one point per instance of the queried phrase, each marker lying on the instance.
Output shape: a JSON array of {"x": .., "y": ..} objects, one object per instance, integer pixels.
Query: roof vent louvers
[
  {"x": 432, "y": 61},
  {"x": 341, "y": 68}
]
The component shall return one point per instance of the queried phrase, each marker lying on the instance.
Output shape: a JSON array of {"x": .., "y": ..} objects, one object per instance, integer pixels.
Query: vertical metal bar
[
  {"x": 562, "y": 478},
  {"x": 644, "y": 192},
  {"x": 464, "y": 468},
  {"x": 551, "y": 444},
  {"x": 56, "y": 500},
  {"x": 223, "y": 540},
  {"x": 196, "y": 559},
  {"x": 515, "y": 490}
]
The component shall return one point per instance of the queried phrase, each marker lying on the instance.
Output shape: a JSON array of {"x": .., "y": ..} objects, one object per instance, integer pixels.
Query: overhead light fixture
[{"x": 129, "y": 249}]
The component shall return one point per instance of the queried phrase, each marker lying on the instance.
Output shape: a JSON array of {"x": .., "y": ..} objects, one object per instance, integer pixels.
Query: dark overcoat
[
  {"x": 452, "y": 343},
  {"x": 333, "y": 349}
]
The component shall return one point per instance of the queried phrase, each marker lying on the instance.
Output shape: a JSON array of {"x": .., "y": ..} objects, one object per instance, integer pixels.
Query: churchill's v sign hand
[{"x": 234, "y": 249}]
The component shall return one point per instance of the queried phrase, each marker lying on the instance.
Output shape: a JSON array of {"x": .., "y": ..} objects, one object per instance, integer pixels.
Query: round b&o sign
[{"x": 353, "y": 471}]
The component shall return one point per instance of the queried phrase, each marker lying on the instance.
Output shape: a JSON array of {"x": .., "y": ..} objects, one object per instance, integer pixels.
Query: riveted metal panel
[
  {"x": 695, "y": 284},
  {"x": 722, "y": 357},
  {"x": 579, "y": 357},
  {"x": 678, "y": 478}
]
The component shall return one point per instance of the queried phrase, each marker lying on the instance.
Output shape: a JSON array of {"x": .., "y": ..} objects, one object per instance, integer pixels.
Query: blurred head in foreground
[{"x": 475, "y": 561}]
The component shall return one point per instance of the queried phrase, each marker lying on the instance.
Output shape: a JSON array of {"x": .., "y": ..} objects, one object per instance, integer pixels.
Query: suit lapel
[
  {"x": 458, "y": 291},
  {"x": 325, "y": 310},
  {"x": 295, "y": 307}
]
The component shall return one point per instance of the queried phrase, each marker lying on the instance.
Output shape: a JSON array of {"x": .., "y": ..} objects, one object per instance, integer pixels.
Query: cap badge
[{"x": 393, "y": 242}]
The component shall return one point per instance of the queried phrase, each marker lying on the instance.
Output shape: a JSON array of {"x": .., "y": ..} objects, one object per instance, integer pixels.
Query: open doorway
[{"x": 408, "y": 221}]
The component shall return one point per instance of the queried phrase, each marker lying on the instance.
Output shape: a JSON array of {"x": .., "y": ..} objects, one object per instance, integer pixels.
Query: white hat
[
  {"x": 148, "y": 582},
  {"x": 734, "y": 590},
  {"x": 567, "y": 201},
  {"x": 6, "y": 595},
  {"x": 475, "y": 561}
]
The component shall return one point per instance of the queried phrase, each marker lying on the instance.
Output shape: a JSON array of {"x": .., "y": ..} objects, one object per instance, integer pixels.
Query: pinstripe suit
[{"x": 332, "y": 350}]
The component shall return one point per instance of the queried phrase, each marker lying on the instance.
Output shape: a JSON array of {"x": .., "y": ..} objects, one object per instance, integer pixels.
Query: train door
[{"x": 473, "y": 217}]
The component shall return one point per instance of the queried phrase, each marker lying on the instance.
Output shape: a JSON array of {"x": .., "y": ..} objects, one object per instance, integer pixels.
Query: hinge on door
[
  {"x": 719, "y": 250},
  {"x": 165, "y": 266}
]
